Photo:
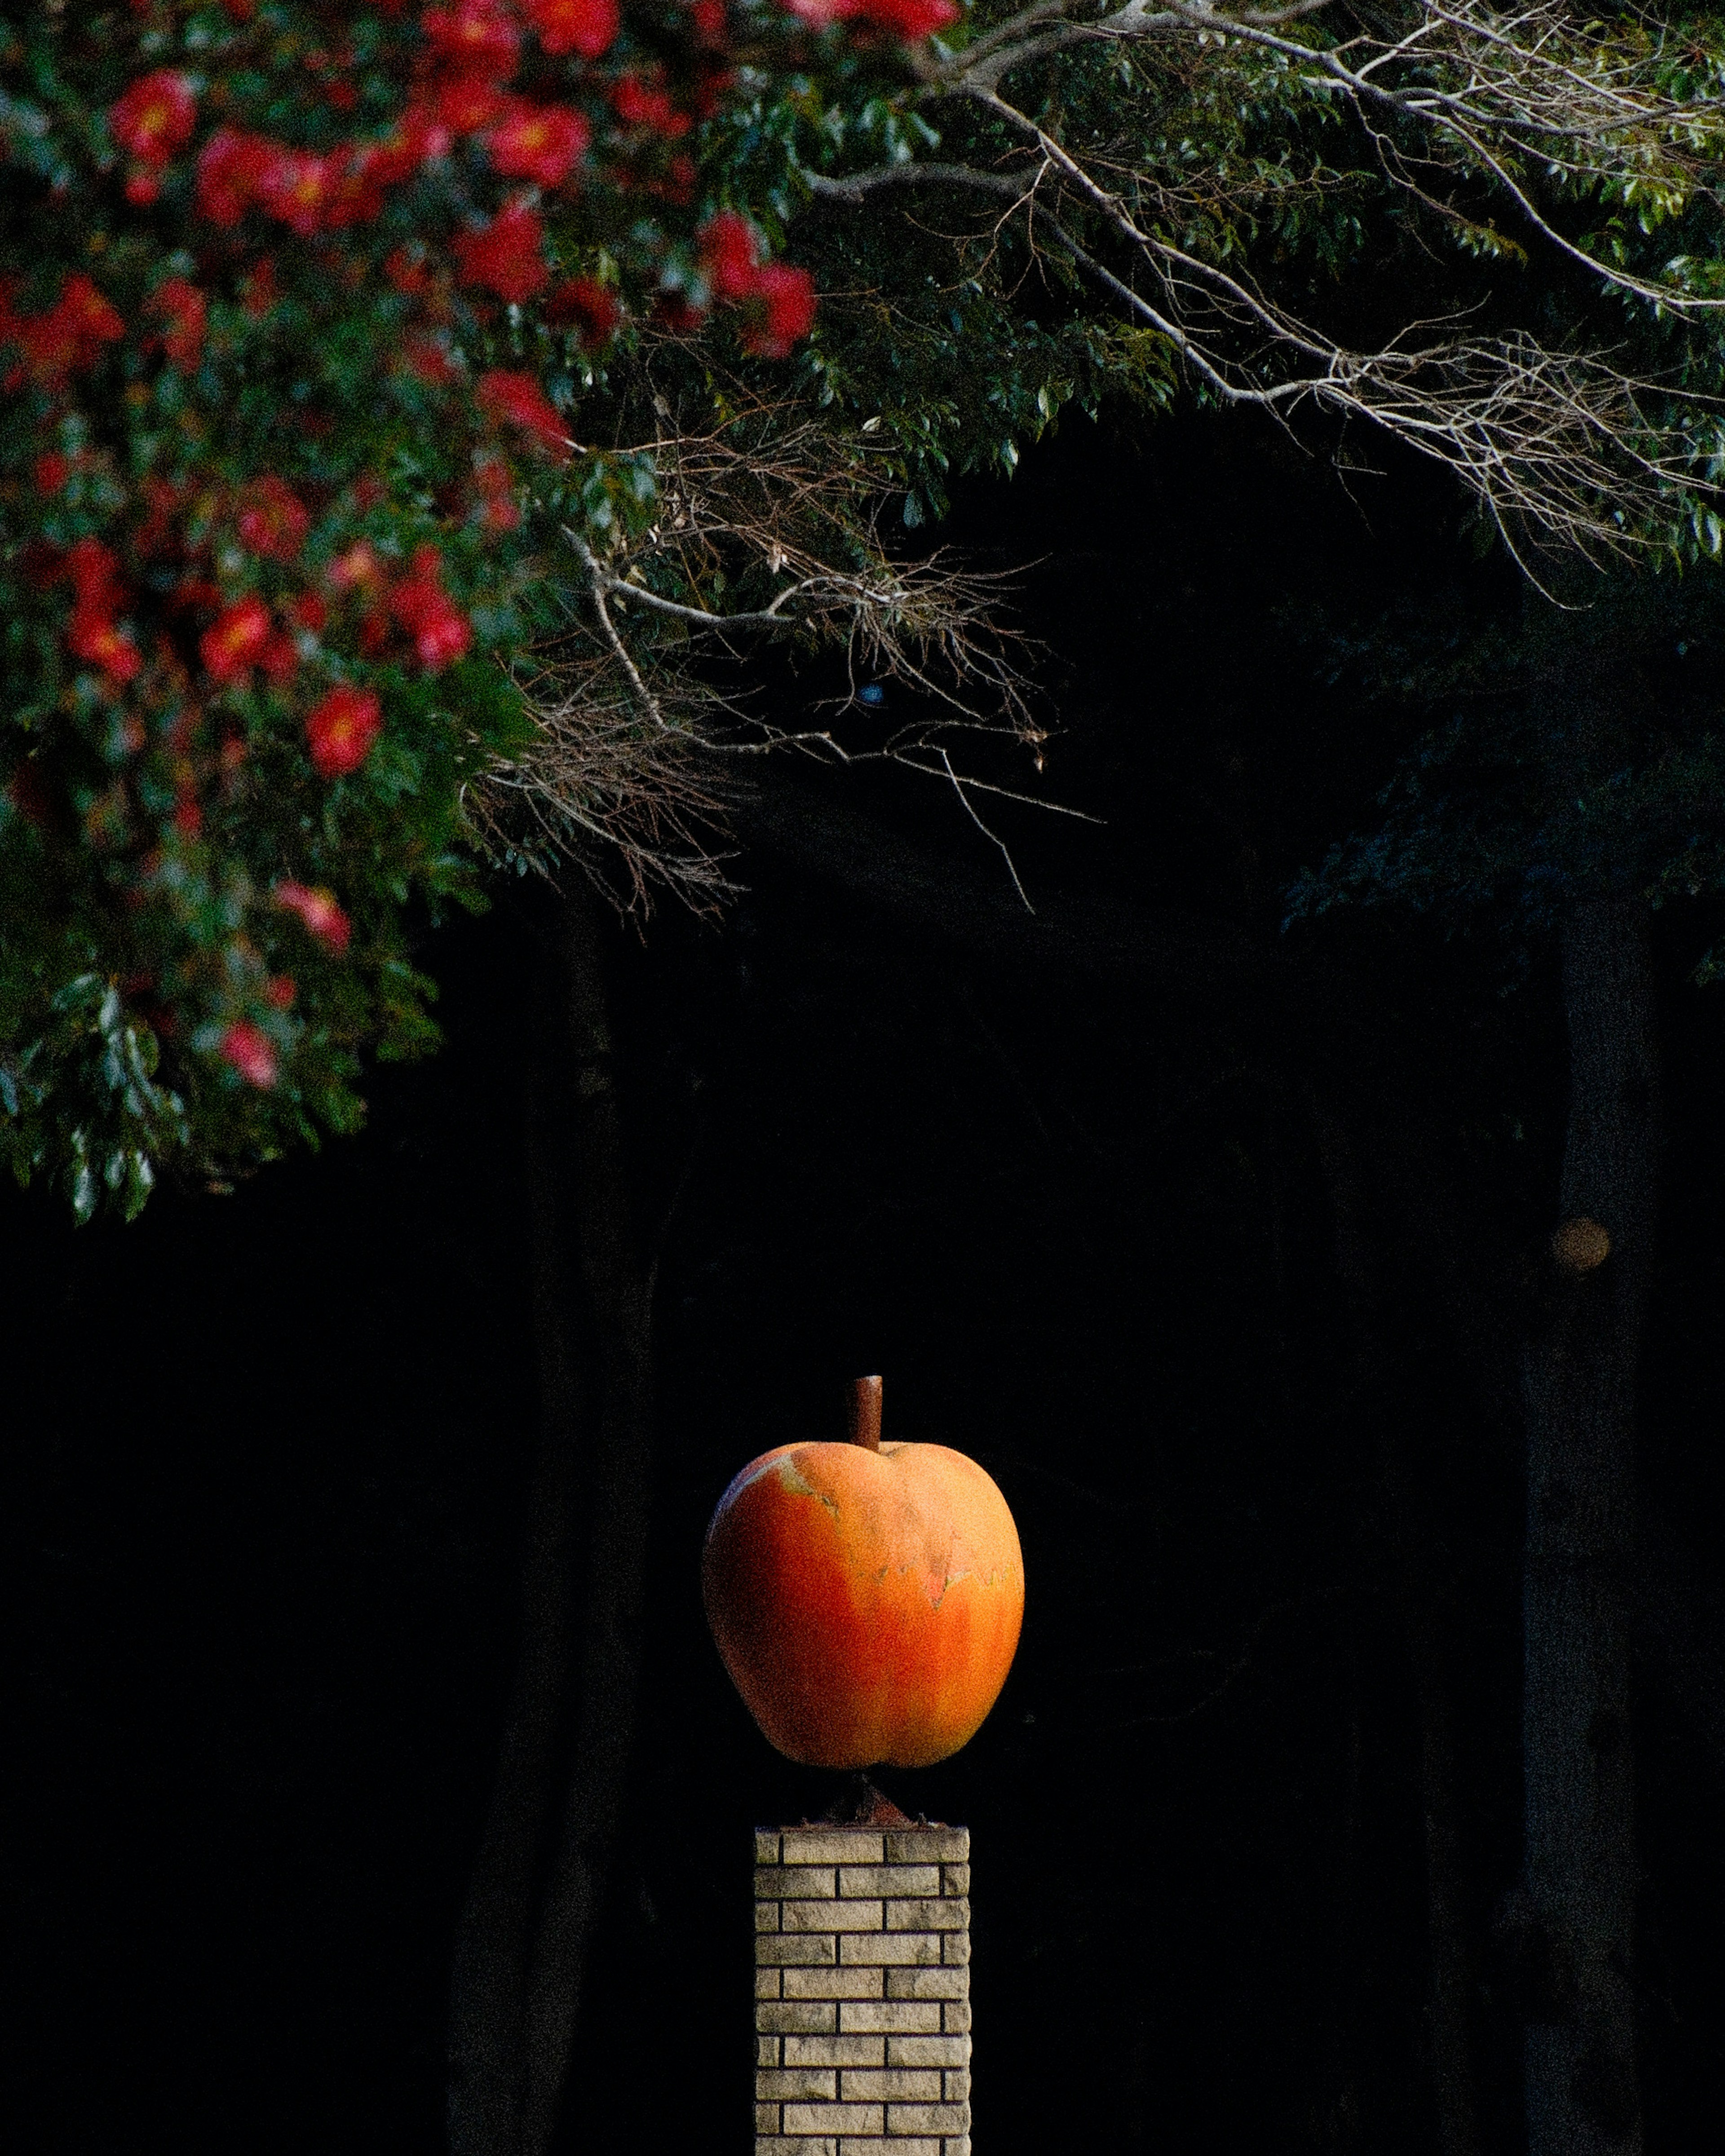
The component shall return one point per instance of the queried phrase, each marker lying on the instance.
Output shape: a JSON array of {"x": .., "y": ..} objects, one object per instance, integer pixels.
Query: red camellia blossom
[
  {"x": 273, "y": 521},
  {"x": 69, "y": 336},
  {"x": 155, "y": 117},
  {"x": 587, "y": 26},
  {"x": 186, "y": 312},
  {"x": 341, "y": 729},
  {"x": 541, "y": 142},
  {"x": 780, "y": 311},
  {"x": 94, "y": 636},
  {"x": 280, "y": 992},
  {"x": 295, "y": 186},
  {"x": 440, "y": 631},
  {"x": 280, "y": 659},
  {"x": 729, "y": 252},
  {"x": 506, "y": 255},
  {"x": 474, "y": 37},
  {"x": 639, "y": 104},
  {"x": 518, "y": 399},
  {"x": 230, "y": 167},
  {"x": 233, "y": 643},
  {"x": 466, "y": 104},
  {"x": 912, "y": 20},
  {"x": 499, "y": 510},
  {"x": 360, "y": 569},
  {"x": 53, "y": 471},
  {"x": 251, "y": 1052},
  {"x": 318, "y": 912},
  {"x": 585, "y": 305}
]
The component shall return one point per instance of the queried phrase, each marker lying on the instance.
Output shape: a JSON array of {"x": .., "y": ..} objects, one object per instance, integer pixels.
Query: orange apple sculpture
[{"x": 865, "y": 1598}]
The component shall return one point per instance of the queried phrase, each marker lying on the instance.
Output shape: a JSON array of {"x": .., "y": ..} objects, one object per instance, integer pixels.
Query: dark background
[{"x": 265, "y": 1455}]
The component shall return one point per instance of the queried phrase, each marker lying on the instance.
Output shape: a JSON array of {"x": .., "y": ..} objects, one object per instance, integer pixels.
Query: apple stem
[{"x": 865, "y": 1413}]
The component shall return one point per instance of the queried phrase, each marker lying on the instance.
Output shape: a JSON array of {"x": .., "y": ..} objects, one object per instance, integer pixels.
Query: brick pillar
[{"x": 862, "y": 1991}]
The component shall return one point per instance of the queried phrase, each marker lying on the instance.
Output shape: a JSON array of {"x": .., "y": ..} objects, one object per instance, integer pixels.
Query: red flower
[
  {"x": 638, "y": 104},
  {"x": 188, "y": 817},
  {"x": 440, "y": 629},
  {"x": 585, "y": 305},
  {"x": 780, "y": 312},
  {"x": 185, "y": 311},
  {"x": 94, "y": 636},
  {"x": 361, "y": 569},
  {"x": 709, "y": 16},
  {"x": 279, "y": 991},
  {"x": 251, "y": 1052},
  {"x": 464, "y": 106},
  {"x": 309, "y": 612},
  {"x": 729, "y": 252},
  {"x": 424, "y": 357},
  {"x": 94, "y": 572},
  {"x": 319, "y": 913},
  {"x": 230, "y": 167},
  {"x": 53, "y": 471},
  {"x": 541, "y": 142},
  {"x": 518, "y": 400},
  {"x": 409, "y": 273},
  {"x": 233, "y": 643},
  {"x": 296, "y": 186},
  {"x": 505, "y": 255},
  {"x": 272, "y": 520},
  {"x": 587, "y": 26},
  {"x": 496, "y": 487},
  {"x": 417, "y": 138},
  {"x": 69, "y": 336},
  {"x": 912, "y": 20},
  {"x": 155, "y": 117},
  {"x": 280, "y": 658},
  {"x": 474, "y": 38},
  {"x": 341, "y": 729}
]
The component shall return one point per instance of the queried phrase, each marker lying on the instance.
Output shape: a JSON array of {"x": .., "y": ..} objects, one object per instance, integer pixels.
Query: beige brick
[
  {"x": 784, "y": 2144},
  {"x": 832, "y": 1983},
  {"x": 838, "y": 2051},
  {"x": 904, "y": 2084},
  {"x": 855, "y": 1879},
  {"x": 923, "y": 2118},
  {"x": 923, "y": 2051},
  {"x": 766, "y": 1846},
  {"x": 904, "y": 2016},
  {"x": 767, "y": 2117},
  {"x": 955, "y": 1949},
  {"x": 765, "y": 2051},
  {"x": 782, "y": 2083},
  {"x": 840, "y": 1916},
  {"x": 797, "y": 2017},
  {"x": 934, "y": 1914},
  {"x": 832, "y": 1846},
  {"x": 891, "y": 1949},
  {"x": 916, "y": 2146},
  {"x": 766, "y": 1983},
  {"x": 957, "y": 2144},
  {"x": 929, "y": 1983},
  {"x": 956, "y": 2018},
  {"x": 955, "y": 2085},
  {"x": 803, "y": 1952},
  {"x": 832, "y": 2119},
  {"x": 955, "y": 1879},
  {"x": 929, "y": 1845},
  {"x": 794, "y": 1883},
  {"x": 765, "y": 1916}
]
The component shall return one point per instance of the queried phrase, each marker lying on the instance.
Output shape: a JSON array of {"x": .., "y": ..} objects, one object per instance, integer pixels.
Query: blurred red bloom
[
  {"x": 506, "y": 256},
  {"x": 319, "y": 913},
  {"x": 518, "y": 400},
  {"x": 541, "y": 142},
  {"x": 95, "y": 571},
  {"x": 69, "y": 336},
  {"x": 709, "y": 18},
  {"x": 280, "y": 658},
  {"x": 780, "y": 312},
  {"x": 474, "y": 37},
  {"x": 361, "y": 569},
  {"x": 155, "y": 117},
  {"x": 309, "y": 612},
  {"x": 585, "y": 305},
  {"x": 273, "y": 521},
  {"x": 341, "y": 729},
  {"x": 639, "y": 104},
  {"x": 251, "y": 1052},
  {"x": 912, "y": 20},
  {"x": 496, "y": 482},
  {"x": 426, "y": 358},
  {"x": 233, "y": 643},
  {"x": 186, "y": 311},
  {"x": 296, "y": 186},
  {"x": 587, "y": 26},
  {"x": 440, "y": 629},
  {"x": 94, "y": 636},
  {"x": 279, "y": 991},
  {"x": 53, "y": 471},
  {"x": 729, "y": 252},
  {"x": 229, "y": 167},
  {"x": 466, "y": 104}
]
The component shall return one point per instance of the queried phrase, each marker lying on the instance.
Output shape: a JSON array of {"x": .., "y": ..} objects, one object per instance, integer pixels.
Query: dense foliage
[{"x": 298, "y": 304}]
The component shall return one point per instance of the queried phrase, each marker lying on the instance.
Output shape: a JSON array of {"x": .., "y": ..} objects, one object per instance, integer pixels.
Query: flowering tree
[{"x": 298, "y": 305}]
